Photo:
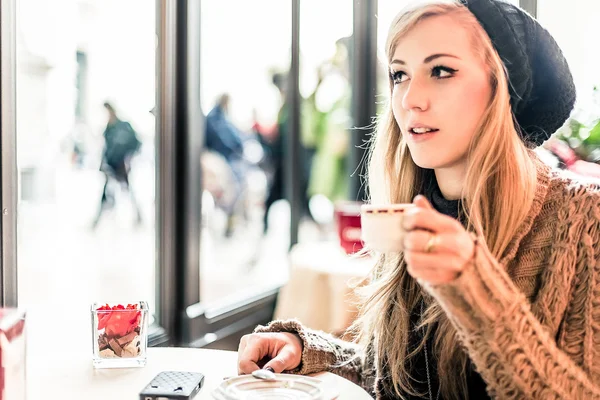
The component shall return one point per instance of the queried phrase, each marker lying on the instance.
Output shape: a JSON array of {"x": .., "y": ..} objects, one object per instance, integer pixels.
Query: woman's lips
[{"x": 419, "y": 137}]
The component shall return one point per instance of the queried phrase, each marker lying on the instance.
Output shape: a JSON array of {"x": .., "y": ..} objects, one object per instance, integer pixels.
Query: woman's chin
[
  {"x": 434, "y": 161},
  {"x": 427, "y": 163}
]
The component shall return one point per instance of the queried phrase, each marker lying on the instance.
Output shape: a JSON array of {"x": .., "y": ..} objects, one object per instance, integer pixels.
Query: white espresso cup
[{"x": 381, "y": 226}]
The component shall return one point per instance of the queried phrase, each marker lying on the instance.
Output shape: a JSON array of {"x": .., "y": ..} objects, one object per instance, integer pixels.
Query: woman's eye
[
  {"x": 441, "y": 72},
  {"x": 398, "y": 77}
]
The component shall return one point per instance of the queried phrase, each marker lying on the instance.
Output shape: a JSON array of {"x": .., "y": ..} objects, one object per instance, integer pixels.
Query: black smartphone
[{"x": 173, "y": 385}]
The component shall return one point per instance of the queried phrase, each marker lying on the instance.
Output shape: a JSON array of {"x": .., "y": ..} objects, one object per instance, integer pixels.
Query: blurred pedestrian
[{"x": 121, "y": 143}]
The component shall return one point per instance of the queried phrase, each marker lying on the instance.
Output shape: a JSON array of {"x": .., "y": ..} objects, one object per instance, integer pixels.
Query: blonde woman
[{"x": 497, "y": 293}]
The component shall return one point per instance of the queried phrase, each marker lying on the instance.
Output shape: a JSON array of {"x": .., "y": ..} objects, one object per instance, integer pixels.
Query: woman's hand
[
  {"x": 436, "y": 247},
  {"x": 281, "y": 350}
]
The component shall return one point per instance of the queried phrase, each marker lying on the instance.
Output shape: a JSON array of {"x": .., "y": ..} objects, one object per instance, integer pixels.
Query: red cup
[{"x": 347, "y": 218}]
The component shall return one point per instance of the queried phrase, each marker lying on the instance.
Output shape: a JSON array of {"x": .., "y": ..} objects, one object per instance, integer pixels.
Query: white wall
[{"x": 574, "y": 25}]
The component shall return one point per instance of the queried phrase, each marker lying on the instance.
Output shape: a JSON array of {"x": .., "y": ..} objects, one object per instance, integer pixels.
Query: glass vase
[{"x": 119, "y": 334}]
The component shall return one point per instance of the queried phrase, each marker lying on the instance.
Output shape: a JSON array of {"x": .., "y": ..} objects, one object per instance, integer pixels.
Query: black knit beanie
[{"x": 542, "y": 91}]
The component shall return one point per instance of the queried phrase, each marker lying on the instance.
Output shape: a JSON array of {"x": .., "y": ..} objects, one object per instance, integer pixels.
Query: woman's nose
[{"x": 416, "y": 96}]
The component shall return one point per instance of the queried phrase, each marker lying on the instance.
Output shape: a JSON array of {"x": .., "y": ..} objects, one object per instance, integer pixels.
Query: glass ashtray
[{"x": 285, "y": 387}]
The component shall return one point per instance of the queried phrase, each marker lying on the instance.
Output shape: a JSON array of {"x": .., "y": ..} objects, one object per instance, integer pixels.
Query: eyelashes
[
  {"x": 437, "y": 72},
  {"x": 397, "y": 76}
]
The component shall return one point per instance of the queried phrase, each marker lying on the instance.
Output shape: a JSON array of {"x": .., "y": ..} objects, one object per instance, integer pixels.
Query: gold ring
[{"x": 432, "y": 243}]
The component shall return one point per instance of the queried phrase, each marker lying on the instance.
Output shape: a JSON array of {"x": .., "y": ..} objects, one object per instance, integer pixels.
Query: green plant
[{"x": 582, "y": 130}]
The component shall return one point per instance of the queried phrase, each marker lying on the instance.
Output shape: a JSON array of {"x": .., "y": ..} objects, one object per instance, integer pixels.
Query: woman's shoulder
[
  {"x": 574, "y": 185},
  {"x": 577, "y": 194}
]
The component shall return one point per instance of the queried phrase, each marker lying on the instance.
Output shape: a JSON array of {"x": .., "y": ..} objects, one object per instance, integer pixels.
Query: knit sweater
[{"x": 530, "y": 321}]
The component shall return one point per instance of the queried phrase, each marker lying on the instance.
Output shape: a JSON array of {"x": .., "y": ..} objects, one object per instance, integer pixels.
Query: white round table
[{"x": 69, "y": 375}]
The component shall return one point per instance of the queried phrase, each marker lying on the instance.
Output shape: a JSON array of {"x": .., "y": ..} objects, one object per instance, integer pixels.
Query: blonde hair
[{"x": 499, "y": 168}]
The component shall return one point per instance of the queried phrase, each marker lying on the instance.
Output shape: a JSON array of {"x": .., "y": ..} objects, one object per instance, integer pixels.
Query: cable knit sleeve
[
  {"x": 513, "y": 351},
  {"x": 323, "y": 352}
]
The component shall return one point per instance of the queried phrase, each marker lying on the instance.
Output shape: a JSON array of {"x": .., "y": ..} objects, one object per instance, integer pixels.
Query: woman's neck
[{"x": 451, "y": 181}]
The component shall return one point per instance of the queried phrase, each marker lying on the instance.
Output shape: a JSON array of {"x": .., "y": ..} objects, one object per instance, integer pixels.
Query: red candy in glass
[{"x": 117, "y": 322}]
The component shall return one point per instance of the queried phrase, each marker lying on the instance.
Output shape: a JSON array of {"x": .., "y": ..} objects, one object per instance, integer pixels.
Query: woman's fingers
[
  {"x": 283, "y": 361},
  {"x": 431, "y": 243},
  {"x": 424, "y": 216},
  {"x": 282, "y": 350},
  {"x": 439, "y": 262},
  {"x": 421, "y": 201},
  {"x": 248, "y": 356},
  {"x": 436, "y": 246},
  {"x": 433, "y": 276},
  {"x": 428, "y": 219}
]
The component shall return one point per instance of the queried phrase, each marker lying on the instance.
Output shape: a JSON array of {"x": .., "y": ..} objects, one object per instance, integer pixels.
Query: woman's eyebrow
[
  {"x": 427, "y": 59},
  {"x": 434, "y": 56}
]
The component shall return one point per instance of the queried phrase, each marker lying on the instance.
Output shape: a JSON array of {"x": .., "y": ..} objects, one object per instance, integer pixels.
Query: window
[{"x": 86, "y": 200}]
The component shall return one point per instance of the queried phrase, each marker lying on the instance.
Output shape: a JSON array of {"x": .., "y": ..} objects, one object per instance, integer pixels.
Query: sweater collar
[{"x": 433, "y": 193}]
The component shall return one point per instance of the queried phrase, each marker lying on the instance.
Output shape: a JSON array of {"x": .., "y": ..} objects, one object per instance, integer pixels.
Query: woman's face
[{"x": 441, "y": 90}]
